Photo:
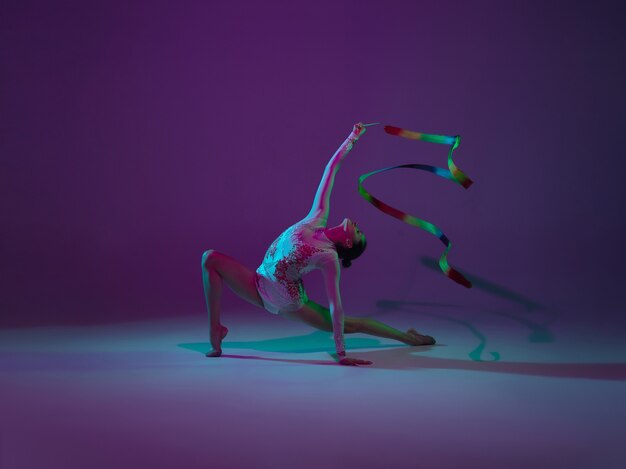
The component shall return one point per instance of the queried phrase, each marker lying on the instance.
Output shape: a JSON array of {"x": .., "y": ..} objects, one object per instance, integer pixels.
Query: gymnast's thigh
[
  {"x": 237, "y": 276},
  {"x": 312, "y": 314}
]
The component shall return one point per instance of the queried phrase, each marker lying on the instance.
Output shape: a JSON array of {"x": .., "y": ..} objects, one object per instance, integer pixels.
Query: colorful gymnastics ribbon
[{"x": 453, "y": 174}]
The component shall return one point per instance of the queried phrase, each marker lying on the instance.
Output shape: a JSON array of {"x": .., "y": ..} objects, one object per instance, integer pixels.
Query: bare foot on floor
[
  {"x": 415, "y": 338},
  {"x": 217, "y": 351}
]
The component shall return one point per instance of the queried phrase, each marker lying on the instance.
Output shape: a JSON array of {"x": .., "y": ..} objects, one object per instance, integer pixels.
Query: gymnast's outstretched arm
[
  {"x": 321, "y": 203},
  {"x": 331, "y": 272}
]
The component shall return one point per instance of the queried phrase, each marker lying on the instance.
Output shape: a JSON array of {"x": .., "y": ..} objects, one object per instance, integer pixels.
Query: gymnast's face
[{"x": 352, "y": 231}]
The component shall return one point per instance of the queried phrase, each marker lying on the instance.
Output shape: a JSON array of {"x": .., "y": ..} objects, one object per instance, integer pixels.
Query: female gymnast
[{"x": 277, "y": 284}]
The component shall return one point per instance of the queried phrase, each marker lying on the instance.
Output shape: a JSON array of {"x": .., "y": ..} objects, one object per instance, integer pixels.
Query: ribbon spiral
[{"x": 453, "y": 173}]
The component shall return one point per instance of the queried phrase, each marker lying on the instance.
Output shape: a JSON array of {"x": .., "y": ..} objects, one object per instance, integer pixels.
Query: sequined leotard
[{"x": 298, "y": 250}]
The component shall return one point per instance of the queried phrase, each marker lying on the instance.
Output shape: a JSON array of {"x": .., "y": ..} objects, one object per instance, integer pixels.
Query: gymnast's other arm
[
  {"x": 321, "y": 203},
  {"x": 331, "y": 273}
]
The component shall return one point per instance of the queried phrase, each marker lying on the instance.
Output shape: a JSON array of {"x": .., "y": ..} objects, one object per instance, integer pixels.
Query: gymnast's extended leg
[
  {"x": 218, "y": 268},
  {"x": 319, "y": 317}
]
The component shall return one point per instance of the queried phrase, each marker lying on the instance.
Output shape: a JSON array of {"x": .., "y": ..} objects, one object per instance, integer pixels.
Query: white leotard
[{"x": 298, "y": 250}]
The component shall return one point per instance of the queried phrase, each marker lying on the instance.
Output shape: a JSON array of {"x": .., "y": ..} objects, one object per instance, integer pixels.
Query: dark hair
[{"x": 348, "y": 254}]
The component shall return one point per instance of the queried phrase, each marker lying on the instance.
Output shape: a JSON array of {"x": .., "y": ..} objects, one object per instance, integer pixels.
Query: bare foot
[
  {"x": 415, "y": 338},
  {"x": 217, "y": 351}
]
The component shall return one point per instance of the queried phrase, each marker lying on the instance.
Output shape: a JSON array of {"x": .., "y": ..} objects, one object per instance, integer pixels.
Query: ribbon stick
[{"x": 453, "y": 173}]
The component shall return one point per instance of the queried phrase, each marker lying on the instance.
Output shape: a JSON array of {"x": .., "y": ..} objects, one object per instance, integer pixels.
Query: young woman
[{"x": 277, "y": 284}]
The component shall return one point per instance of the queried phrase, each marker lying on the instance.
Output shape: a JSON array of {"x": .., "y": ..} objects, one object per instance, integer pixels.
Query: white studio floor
[{"x": 494, "y": 392}]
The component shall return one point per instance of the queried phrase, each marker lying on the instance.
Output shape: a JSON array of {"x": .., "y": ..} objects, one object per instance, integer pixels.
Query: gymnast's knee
[{"x": 209, "y": 258}]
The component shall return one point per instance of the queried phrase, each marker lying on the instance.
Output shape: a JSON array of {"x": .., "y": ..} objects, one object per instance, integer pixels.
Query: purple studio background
[{"x": 137, "y": 135}]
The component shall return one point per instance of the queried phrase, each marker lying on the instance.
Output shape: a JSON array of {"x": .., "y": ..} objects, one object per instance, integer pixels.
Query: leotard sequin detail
[{"x": 298, "y": 250}]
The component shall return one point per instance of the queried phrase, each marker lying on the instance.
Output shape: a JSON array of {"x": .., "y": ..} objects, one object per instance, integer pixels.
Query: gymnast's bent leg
[
  {"x": 319, "y": 317},
  {"x": 216, "y": 269}
]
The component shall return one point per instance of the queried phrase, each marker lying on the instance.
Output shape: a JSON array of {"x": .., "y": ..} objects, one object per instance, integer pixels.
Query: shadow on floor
[
  {"x": 317, "y": 341},
  {"x": 399, "y": 357}
]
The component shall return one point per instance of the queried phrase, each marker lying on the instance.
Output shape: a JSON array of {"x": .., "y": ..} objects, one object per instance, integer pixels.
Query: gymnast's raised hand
[{"x": 277, "y": 284}]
